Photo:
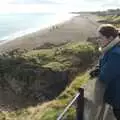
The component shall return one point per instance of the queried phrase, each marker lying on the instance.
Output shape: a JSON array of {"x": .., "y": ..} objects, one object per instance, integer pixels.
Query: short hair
[{"x": 108, "y": 30}]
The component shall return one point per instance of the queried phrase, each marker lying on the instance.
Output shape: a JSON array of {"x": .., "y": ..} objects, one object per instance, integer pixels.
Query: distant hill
[
  {"x": 108, "y": 12},
  {"x": 111, "y": 16}
]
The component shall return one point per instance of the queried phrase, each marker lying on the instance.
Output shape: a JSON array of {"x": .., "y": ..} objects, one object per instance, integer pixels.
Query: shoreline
[
  {"x": 78, "y": 28},
  {"x": 30, "y": 31}
]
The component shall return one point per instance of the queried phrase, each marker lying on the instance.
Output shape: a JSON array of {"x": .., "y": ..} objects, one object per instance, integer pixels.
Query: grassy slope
[
  {"x": 56, "y": 106},
  {"x": 113, "y": 19},
  {"x": 60, "y": 58},
  {"x": 56, "y": 58},
  {"x": 49, "y": 110}
]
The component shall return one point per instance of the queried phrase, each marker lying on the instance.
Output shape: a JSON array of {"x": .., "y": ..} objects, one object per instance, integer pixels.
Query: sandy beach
[{"x": 78, "y": 28}]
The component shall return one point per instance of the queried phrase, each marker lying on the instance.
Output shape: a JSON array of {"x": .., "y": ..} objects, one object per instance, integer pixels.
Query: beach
[{"x": 79, "y": 28}]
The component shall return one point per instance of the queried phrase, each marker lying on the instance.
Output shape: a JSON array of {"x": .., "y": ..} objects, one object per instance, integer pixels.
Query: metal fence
[{"x": 79, "y": 99}]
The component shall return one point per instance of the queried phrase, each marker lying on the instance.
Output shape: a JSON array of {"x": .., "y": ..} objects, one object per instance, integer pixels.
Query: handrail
[
  {"x": 68, "y": 106},
  {"x": 79, "y": 97}
]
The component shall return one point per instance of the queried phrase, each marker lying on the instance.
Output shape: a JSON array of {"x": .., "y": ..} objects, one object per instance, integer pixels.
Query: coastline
[
  {"x": 32, "y": 30},
  {"x": 69, "y": 30}
]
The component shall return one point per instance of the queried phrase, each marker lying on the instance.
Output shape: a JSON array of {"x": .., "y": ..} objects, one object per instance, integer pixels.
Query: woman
[{"x": 109, "y": 66}]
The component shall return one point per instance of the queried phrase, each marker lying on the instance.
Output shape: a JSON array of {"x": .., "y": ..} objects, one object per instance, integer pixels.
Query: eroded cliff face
[{"x": 42, "y": 84}]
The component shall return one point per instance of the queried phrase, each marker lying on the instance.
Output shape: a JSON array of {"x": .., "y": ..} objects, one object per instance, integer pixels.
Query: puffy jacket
[{"x": 110, "y": 75}]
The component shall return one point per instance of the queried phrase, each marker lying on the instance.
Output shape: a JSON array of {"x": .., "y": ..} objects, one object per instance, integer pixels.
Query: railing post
[{"x": 80, "y": 105}]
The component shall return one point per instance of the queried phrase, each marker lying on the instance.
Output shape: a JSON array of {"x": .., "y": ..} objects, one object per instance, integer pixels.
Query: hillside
[
  {"x": 110, "y": 17},
  {"x": 44, "y": 78}
]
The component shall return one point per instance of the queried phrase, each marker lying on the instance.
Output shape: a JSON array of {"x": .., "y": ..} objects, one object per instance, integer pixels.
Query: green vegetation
[
  {"x": 22, "y": 65},
  {"x": 112, "y": 19},
  {"x": 59, "y": 104},
  {"x": 19, "y": 63},
  {"x": 60, "y": 58},
  {"x": 49, "y": 110}
]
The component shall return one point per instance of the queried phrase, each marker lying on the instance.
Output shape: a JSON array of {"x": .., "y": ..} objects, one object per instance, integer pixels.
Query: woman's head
[{"x": 107, "y": 33}]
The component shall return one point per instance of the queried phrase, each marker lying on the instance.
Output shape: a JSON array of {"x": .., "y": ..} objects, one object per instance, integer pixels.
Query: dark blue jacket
[{"x": 110, "y": 75}]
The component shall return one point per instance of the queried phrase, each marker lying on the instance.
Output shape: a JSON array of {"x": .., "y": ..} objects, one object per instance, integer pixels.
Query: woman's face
[{"x": 103, "y": 41}]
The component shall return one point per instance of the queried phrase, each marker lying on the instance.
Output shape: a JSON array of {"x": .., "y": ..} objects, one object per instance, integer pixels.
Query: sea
[{"x": 15, "y": 25}]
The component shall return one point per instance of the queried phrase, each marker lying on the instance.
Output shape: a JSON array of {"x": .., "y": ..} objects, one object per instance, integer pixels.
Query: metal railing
[{"x": 79, "y": 98}]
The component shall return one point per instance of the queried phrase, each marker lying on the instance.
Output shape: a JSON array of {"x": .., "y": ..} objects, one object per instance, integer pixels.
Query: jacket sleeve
[{"x": 111, "y": 69}]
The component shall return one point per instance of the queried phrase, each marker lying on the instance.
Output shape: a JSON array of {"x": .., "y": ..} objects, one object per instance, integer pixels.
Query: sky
[{"x": 62, "y": 6}]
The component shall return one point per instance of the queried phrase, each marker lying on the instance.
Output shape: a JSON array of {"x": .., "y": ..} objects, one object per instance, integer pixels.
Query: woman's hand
[{"x": 95, "y": 72}]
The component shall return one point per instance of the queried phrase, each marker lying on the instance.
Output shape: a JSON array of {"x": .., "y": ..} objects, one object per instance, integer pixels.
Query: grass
[
  {"x": 49, "y": 110},
  {"x": 62, "y": 58},
  {"x": 59, "y": 58},
  {"x": 65, "y": 57},
  {"x": 55, "y": 66},
  {"x": 112, "y": 19}
]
